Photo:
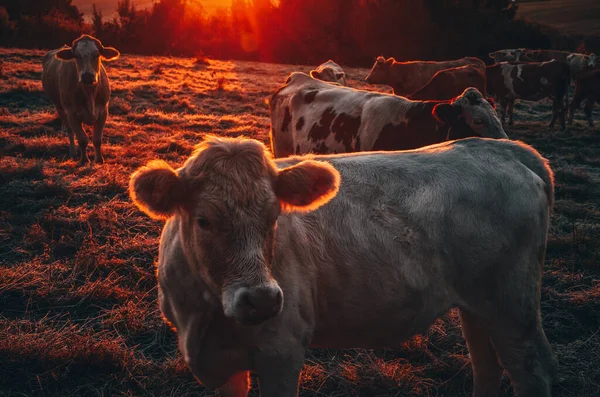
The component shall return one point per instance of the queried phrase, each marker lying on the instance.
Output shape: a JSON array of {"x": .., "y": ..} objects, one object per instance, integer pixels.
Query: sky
[{"x": 109, "y": 7}]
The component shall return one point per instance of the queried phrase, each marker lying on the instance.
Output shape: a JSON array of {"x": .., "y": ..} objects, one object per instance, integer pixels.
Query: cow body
[
  {"x": 507, "y": 55},
  {"x": 405, "y": 237},
  {"x": 587, "y": 87},
  {"x": 407, "y": 77},
  {"x": 309, "y": 116},
  {"x": 450, "y": 83},
  {"x": 77, "y": 85},
  {"x": 330, "y": 72},
  {"x": 580, "y": 62},
  {"x": 545, "y": 55},
  {"x": 532, "y": 82}
]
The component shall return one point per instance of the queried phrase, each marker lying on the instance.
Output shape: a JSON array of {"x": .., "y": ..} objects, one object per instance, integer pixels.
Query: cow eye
[{"x": 203, "y": 223}]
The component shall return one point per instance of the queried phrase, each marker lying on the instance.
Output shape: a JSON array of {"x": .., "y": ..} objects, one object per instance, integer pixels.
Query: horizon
[{"x": 109, "y": 7}]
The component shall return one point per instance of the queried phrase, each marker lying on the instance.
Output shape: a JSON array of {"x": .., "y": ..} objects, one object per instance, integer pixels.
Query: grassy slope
[
  {"x": 566, "y": 16},
  {"x": 78, "y": 312}
]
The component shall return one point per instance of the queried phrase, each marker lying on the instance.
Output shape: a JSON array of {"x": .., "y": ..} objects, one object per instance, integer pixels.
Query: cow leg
[
  {"x": 237, "y": 386},
  {"x": 589, "y": 107},
  {"x": 503, "y": 105},
  {"x": 279, "y": 371},
  {"x": 572, "y": 108},
  {"x": 511, "y": 107},
  {"x": 82, "y": 139},
  {"x": 97, "y": 137},
  {"x": 487, "y": 372},
  {"x": 526, "y": 355},
  {"x": 67, "y": 128}
]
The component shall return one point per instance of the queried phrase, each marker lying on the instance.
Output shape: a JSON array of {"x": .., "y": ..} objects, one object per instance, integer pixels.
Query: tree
[{"x": 97, "y": 22}]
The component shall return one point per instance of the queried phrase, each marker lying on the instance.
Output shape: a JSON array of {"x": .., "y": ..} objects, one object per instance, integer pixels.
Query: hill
[
  {"x": 78, "y": 297},
  {"x": 581, "y": 17}
]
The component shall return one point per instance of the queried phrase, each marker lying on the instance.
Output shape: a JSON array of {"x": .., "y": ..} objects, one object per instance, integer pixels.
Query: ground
[
  {"x": 566, "y": 16},
  {"x": 78, "y": 311}
]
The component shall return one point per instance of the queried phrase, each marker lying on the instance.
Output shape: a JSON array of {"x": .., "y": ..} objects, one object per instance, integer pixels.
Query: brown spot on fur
[
  {"x": 310, "y": 96},
  {"x": 321, "y": 130},
  {"x": 300, "y": 123},
  {"x": 287, "y": 119}
]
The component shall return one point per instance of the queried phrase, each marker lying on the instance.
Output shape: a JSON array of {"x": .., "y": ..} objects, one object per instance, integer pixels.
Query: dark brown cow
[
  {"x": 407, "y": 77},
  {"x": 450, "y": 83},
  {"x": 587, "y": 87},
  {"x": 533, "y": 81},
  {"x": 311, "y": 116}
]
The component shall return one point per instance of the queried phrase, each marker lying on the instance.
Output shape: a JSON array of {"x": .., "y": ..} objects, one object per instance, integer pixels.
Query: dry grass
[{"x": 78, "y": 312}]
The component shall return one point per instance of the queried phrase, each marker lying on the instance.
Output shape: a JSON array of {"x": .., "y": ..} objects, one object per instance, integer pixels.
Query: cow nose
[
  {"x": 88, "y": 78},
  {"x": 258, "y": 304}
]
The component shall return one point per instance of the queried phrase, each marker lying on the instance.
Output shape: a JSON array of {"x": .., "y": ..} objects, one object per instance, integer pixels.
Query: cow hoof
[
  {"x": 83, "y": 161},
  {"x": 99, "y": 160}
]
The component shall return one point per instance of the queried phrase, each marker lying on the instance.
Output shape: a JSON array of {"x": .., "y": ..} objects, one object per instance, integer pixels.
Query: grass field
[
  {"x": 78, "y": 311},
  {"x": 566, "y": 16}
]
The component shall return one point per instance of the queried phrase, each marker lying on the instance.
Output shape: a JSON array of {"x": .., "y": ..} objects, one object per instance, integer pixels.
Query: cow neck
[{"x": 89, "y": 95}]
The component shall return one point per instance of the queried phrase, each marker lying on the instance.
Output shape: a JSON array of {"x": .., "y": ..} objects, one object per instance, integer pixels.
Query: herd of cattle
[{"x": 262, "y": 258}]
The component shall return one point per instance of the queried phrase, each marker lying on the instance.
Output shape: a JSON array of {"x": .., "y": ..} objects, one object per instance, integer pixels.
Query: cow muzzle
[
  {"x": 253, "y": 305},
  {"x": 89, "y": 78}
]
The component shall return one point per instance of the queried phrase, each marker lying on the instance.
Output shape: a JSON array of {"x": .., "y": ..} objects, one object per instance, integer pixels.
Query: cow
[
  {"x": 407, "y": 77},
  {"x": 587, "y": 87},
  {"x": 260, "y": 260},
  {"x": 532, "y": 81},
  {"x": 450, "y": 83},
  {"x": 545, "y": 55},
  {"x": 507, "y": 55},
  {"x": 310, "y": 116},
  {"x": 330, "y": 72},
  {"x": 77, "y": 84},
  {"x": 579, "y": 62}
]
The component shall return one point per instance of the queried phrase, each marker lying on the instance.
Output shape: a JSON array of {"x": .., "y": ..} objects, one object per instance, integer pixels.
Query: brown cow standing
[
  {"x": 533, "y": 81},
  {"x": 77, "y": 83},
  {"x": 450, "y": 83},
  {"x": 407, "y": 77},
  {"x": 587, "y": 87}
]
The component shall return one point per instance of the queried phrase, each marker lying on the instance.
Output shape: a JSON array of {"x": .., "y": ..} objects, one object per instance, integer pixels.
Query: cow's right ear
[
  {"x": 447, "y": 113},
  {"x": 314, "y": 74},
  {"x": 157, "y": 190},
  {"x": 390, "y": 60},
  {"x": 110, "y": 54},
  {"x": 65, "y": 54},
  {"x": 306, "y": 186}
]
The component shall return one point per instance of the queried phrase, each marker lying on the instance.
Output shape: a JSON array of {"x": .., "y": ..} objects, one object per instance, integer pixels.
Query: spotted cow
[
  {"x": 310, "y": 116},
  {"x": 533, "y": 81}
]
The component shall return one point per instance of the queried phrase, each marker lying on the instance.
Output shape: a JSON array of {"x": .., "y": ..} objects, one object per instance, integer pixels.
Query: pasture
[
  {"x": 566, "y": 16},
  {"x": 78, "y": 311}
]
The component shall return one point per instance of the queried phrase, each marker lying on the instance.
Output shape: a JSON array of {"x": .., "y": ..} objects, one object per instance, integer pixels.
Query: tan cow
[
  {"x": 407, "y": 77},
  {"x": 580, "y": 62},
  {"x": 260, "y": 259},
  {"x": 77, "y": 84},
  {"x": 330, "y": 72},
  {"x": 450, "y": 83}
]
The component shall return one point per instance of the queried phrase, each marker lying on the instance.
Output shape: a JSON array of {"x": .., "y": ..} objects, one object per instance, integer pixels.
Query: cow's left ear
[
  {"x": 314, "y": 74},
  {"x": 340, "y": 75},
  {"x": 65, "y": 54},
  {"x": 306, "y": 186},
  {"x": 110, "y": 54},
  {"x": 446, "y": 113}
]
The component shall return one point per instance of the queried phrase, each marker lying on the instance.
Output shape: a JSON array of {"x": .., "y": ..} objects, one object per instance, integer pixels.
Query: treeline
[{"x": 351, "y": 32}]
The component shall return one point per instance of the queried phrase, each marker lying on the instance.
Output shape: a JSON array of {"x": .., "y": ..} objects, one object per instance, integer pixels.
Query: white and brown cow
[
  {"x": 587, "y": 87},
  {"x": 580, "y": 62},
  {"x": 330, "y": 72},
  {"x": 450, "y": 83},
  {"x": 407, "y": 77},
  {"x": 533, "y": 81},
  {"x": 260, "y": 259},
  {"x": 77, "y": 84},
  {"x": 310, "y": 116},
  {"x": 507, "y": 55}
]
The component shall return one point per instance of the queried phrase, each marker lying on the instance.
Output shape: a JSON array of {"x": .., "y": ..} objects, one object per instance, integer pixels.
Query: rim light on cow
[
  {"x": 227, "y": 221},
  {"x": 87, "y": 52}
]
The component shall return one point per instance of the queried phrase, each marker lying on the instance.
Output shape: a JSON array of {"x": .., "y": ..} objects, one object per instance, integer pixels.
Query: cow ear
[
  {"x": 110, "y": 53},
  {"x": 65, "y": 54},
  {"x": 390, "y": 60},
  {"x": 446, "y": 113},
  {"x": 306, "y": 186},
  {"x": 491, "y": 55},
  {"x": 314, "y": 74},
  {"x": 157, "y": 190},
  {"x": 340, "y": 75}
]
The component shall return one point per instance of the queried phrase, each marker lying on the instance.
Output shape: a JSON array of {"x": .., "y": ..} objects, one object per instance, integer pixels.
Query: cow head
[
  {"x": 380, "y": 71},
  {"x": 87, "y": 52},
  {"x": 330, "y": 75},
  {"x": 470, "y": 114},
  {"x": 592, "y": 60},
  {"x": 227, "y": 198}
]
